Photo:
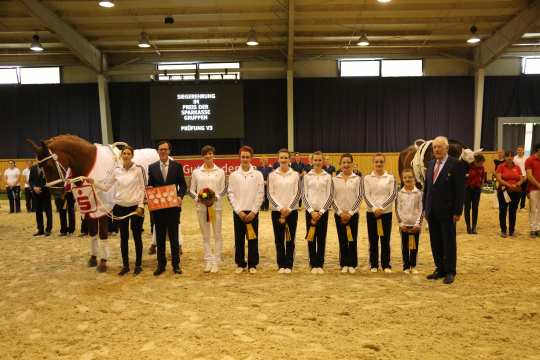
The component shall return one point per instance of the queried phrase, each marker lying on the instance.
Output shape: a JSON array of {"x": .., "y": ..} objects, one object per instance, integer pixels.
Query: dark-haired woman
[{"x": 510, "y": 178}]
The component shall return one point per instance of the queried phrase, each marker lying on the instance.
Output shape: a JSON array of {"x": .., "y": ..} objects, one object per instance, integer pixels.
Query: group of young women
[{"x": 286, "y": 188}]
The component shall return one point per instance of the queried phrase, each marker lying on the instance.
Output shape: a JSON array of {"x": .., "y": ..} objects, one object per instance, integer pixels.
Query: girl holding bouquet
[
  {"x": 284, "y": 192},
  {"x": 207, "y": 188}
]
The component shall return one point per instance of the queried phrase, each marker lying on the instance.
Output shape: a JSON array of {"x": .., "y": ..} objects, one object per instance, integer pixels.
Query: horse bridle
[{"x": 59, "y": 168}]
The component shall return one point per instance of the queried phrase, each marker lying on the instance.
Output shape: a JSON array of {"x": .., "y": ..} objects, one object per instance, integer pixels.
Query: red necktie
[{"x": 436, "y": 172}]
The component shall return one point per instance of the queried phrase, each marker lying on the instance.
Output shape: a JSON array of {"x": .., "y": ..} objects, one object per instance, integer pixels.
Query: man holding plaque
[
  {"x": 246, "y": 193},
  {"x": 161, "y": 173}
]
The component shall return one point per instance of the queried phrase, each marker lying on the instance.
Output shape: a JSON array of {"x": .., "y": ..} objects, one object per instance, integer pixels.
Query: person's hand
[
  {"x": 283, "y": 212},
  {"x": 404, "y": 228},
  {"x": 140, "y": 211},
  {"x": 249, "y": 217},
  {"x": 282, "y": 220},
  {"x": 345, "y": 217},
  {"x": 416, "y": 229},
  {"x": 378, "y": 212},
  {"x": 37, "y": 190},
  {"x": 242, "y": 216},
  {"x": 456, "y": 218},
  {"x": 315, "y": 215}
]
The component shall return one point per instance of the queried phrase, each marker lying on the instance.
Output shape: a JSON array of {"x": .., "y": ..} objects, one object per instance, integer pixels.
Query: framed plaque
[{"x": 162, "y": 197}]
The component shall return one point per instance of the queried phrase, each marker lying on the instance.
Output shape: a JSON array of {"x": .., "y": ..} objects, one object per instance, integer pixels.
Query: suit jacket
[
  {"x": 37, "y": 179},
  {"x": 175, "y": 176},
  {"x": 444, "y": 199}
]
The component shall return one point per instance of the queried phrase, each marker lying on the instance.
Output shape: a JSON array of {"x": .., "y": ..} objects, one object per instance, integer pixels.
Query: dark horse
[{"x": 406, "y": 156}]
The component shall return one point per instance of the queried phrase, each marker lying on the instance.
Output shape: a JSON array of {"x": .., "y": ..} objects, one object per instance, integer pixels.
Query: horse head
[{"x": 54, "y": 166}]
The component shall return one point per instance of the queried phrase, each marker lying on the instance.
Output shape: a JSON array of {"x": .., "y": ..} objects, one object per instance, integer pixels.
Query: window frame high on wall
[
  {"x": 19, "y": 75},
  {"x": 380, "y": 63},
  {"x": 181, "y": 71}
]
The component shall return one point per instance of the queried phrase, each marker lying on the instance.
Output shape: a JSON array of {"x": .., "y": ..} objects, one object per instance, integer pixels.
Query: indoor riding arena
[{"x": 270, "y": 179}]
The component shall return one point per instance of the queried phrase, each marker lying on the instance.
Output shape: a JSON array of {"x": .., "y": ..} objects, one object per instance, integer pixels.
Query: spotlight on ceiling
[
  {"x": 363, "y": 41},
  {"x": 106, "y": 4},
  {"x": 36, "y": 45},
  {"x": 143, "y": 40},
  {"x": 474, "y": 39}
]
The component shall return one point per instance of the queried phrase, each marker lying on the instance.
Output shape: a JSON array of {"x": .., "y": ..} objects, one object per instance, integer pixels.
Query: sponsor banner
[{"x": 228, "y": 164}]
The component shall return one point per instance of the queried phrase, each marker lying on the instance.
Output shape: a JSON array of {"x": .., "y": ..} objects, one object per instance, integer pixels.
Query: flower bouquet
[{"x": 207, "y": 197}]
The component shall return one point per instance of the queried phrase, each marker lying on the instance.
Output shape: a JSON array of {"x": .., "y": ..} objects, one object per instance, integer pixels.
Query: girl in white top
[
  {"x": 284, "y": 192},
  {"x": 410, "y": 213},
  {"x": 379, "y": 192},
  {"x": 347, "y": 199},
  {"x": 209, "y": 175},
  {"x": 27, "y": 190},
  {"x": 317, "y": 197},
  {"x": 13, "y": 189},
  {"x": 246, "y": 194},
  {"x": 130, "y": 183}
]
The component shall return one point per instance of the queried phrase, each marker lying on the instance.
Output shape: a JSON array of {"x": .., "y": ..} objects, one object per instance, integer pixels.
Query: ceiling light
[
  {"x": 384, "y": 1},
  {"x": 474, "y": 39},
  {"x": 363, "y": 41},
  {"x": 143, "y": 40},
  {"x": 252, "y": 38},
  {"x": 36, "y": 45},
  {"x": 106, "y": 4}
]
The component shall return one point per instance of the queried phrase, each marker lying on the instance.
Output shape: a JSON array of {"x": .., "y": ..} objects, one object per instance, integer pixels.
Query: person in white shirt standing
[
  {"x": 410, "y": 213},
  {"x": 130, "y": 180},
  {"x": 284, "y": 192},
  {"x": 13, "y": 189},
  {"x": 346, "y": 202},
  {"x": 519, "y": 160},
  {"x": 317, "y": 196},
  {"x": 27, "y": 189},
  {"x": 246, "y": 194},
  {"x": 379, "y": 192},
  {"x": 209, "y": 175}
]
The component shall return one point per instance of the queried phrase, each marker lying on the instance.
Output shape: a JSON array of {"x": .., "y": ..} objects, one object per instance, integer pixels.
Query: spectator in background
[
  {"x": 355, "y": 170},
  {"x": 519, "y": 160},
  {"x": 13, "y": 189},
  {"x": 297, "y": 164},
  {"x": 510, "y": 178},
  {"x": 328, "y": 167},
  {"x": 27, "y": 189},
  {"x": 500, "y": 158},
  {"x": 309, "y": 165},
  {"x": 265, "y": 169},
  {"x": 41, "y": 200},
  {"x": 532, "y": 166},
  {"x": 473, "y": 188}
]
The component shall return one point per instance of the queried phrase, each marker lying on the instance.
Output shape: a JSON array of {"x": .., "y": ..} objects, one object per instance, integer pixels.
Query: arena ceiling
[{"x": 218, "y": 29}]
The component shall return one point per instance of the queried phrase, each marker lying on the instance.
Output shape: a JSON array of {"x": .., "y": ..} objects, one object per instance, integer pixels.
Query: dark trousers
[
  {"x": 84, "y": 225},
  {"x": 28, "y": 199},
  {"x": 442, "y": 236},
  {"x": 317, "y": 246},
  {"x": 14, "y": 196},
  {"x": 264, "y": 205},
  {"x": 113, "y": 226},
  {"x": 510, "y": 208},
  {"x": 240, "y": 239},
  {"x": 284, "y": 249},
  {"x": 409, "y": 256},
  {"x": 136, "y": 229},
  {"x": 166, "y": 221},
  {"x": 374, "y": 240},
  {"x": 523, "y": 197},
  {"x": 348, "y": 255},
  {"x": 43, "y": 205},
  {"x": 66, "y": 210},
  {"x": 98, "y": 225},
  {"x": 472, "y": 200}
]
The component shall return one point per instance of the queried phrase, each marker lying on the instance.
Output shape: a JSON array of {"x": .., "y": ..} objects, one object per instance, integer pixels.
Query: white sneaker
[
  {"x": 345, "y": 269},
  {"x": 321, "y": 271},
  {"x": 207, "y": 267},
  {"x": 352, "y": 270},
  {"x": 414, "y": 271},
  {"x": 281, "y": 271},
  {"x": 374, "y": 270},
  {"x": 407, "y": 271},
  {"x": 314, "y": 271},
  {"x": 214, "y": 269},
  {"x": 288, "y": 271},
  {"x": 252, "y": 271},
  {"x": 388, "y": 270},
  {"x": 239, "y": 270}
]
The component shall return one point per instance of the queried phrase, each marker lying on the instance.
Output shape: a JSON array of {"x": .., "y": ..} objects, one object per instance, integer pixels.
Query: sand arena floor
[{"x": 53, "y": 307}]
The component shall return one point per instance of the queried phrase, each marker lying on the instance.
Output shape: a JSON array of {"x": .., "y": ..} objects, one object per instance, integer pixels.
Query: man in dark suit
[
  {"x": 41, "y": 198},
  {"x": 167, "y": 172},
  {"x": 443, "y": 203}
]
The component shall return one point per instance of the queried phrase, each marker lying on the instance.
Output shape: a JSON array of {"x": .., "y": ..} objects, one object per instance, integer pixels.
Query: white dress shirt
[
  {"x": 347, "y": 193},
  {"x": 520, "y": 161},
  {"x": 317, "y": 191},
  {"x": 380, "y": 191},
  {"x": 246, "y": 190},
  {"x": 284, "y": 189},
  {"x": 26, "y": 174}
]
